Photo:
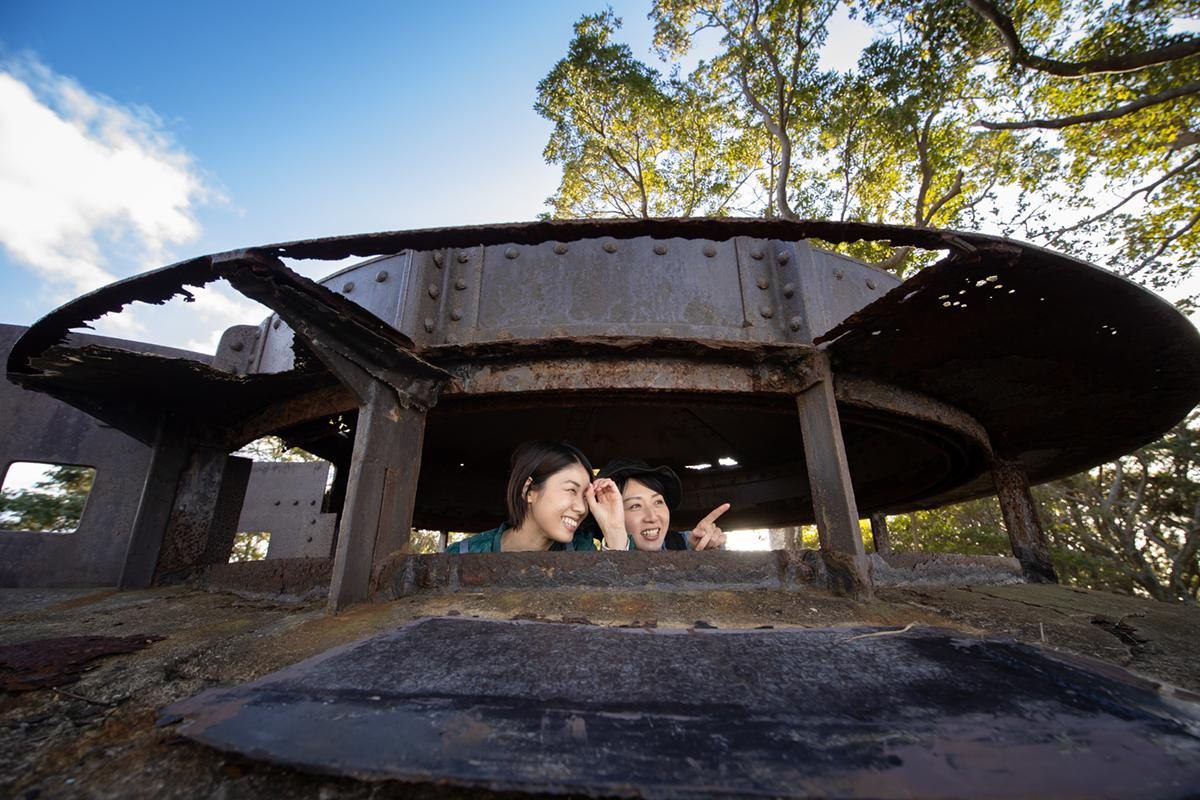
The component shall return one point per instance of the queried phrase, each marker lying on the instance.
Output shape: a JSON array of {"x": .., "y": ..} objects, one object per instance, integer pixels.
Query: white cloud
[{"x": 80, "y": 174}]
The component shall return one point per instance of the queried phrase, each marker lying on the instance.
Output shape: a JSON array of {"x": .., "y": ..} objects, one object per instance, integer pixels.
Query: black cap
[{"x": 620, "y": 468}]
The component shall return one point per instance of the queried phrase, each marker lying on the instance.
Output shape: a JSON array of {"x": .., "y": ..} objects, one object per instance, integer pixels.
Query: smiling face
[
  {"x": 557, "y": 507},
  {"x": 647, "y": 517}
]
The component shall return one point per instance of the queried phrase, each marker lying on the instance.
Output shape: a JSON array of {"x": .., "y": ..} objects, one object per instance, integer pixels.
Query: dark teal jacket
[{"x": 489, "y": 542}]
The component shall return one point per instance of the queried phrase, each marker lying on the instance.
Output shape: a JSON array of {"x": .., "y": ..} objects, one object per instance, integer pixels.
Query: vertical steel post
[
  {"x": 167, "y": 462},
  {"x": 1025, "y": 532},
  {"x": 376, "y": 520},
  {"x": 829, "y": 478}
]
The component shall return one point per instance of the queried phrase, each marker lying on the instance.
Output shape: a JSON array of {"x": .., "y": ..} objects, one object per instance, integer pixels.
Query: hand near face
[
  {"x": 706, "y": 535},
  {"x": 604, "y": 501}
]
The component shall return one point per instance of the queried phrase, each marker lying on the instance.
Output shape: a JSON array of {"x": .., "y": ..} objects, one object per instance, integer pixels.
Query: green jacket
[{"x": 489, "y": 542}]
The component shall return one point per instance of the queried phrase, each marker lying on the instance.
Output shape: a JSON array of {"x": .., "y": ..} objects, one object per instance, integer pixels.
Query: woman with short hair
[{"x": 550, "y": 493}]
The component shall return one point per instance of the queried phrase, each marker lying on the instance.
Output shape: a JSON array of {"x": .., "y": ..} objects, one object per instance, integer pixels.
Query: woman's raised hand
[
  {"x": 706, "y": 535},
  {"x": 604, "y": 501}
]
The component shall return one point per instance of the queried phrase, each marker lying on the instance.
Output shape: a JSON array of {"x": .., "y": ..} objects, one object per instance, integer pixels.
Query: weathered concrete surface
[{"x": 108, "y": 746}]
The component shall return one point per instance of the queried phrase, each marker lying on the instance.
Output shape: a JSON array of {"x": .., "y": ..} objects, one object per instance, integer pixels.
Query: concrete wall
[{"x": 36, "y": 427}]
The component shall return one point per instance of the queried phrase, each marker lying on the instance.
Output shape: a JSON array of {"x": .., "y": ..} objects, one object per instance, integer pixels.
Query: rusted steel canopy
[
  {"x": 561, "y": 708},
  {"x": 679, "y": 341}
]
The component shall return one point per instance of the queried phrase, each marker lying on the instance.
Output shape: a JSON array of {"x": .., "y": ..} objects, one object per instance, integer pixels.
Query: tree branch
[
  {"x": 1147, "y": 190},
  {"x": 1125, "y": 62},
  {"x": 1166, "y": 242},
  {"x": 1096, "y": 116}
]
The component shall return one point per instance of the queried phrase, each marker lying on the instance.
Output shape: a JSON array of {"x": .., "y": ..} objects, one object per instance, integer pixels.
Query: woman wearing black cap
[{"x": 649, "y": 494}]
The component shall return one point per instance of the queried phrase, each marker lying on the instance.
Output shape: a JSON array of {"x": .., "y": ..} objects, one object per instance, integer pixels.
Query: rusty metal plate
[
  {"x": 54, "y": 662},
  {"x": 563, "y": 708}
]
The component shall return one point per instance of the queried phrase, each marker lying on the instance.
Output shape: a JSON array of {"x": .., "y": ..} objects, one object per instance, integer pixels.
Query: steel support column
[
  {"x": 829, "y": 478},
  {"x": 204, "y": 513},
  {"x": 1025, "y": 532},
  {"x": 376, "y": 520},
  {"x": 167, "y": 462}
]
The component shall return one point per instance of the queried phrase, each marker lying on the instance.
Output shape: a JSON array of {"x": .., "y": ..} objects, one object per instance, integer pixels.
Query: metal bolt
[
  {"x": 767, "y": 312},
  {"x": 660, "y": 249},
  {"x": 276, "y": 323},
  {"x": 870, "y": 283},
  {"x": 839, "y": 273},
  {"x": 610, "y": 247},
  {"x": 561, "y": 248},
  {"x": 511, "y": 253},
  {"x": 756, "y": 254},
  {"x": 782, "y": 257},
  {"x": 438, "y": 260},
  {"x": 237, "y": 347},
  {"x": 789, "y": 289},
  {"x": 456, "y": 314},
  {"x": 463, "y": 256},
  {"x": 348, "y": 287},
  {"x": 709, "y": 250},
  {"x": 429, "y": 324},
  {"x": 434, "y": 291},
  {"x": 381, "y": 276},
  {"x": 795, "y": 323},
  {"x": 452, "y": 337},
  {"x": 763, "y": 283},
  {"x": 460, "y": 284}
]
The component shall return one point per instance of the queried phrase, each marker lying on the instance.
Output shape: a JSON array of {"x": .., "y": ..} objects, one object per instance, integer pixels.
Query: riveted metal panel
[
  {"x": 643, "y": 286},
  {"x": 833, "y": 286},
  {"x": 377, "y": 285}
]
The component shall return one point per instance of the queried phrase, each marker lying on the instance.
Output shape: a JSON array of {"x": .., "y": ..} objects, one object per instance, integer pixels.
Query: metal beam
[
  {"x": 1025, "y": 532},
  {"x": 377, "y": 519},
  {"x": 833, "y": 495}
]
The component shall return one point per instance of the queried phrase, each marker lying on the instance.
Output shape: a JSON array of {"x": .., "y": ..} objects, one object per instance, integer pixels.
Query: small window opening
[
  {"x": 250, "y": 546},
  {"x": 44, "y": 497}
]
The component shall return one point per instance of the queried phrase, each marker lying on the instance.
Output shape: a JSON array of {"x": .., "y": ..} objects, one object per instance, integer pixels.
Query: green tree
[
  {"x": 1117, "y": 85},
  {"x": 631, "y": 143},
  {"x": 53, "y": 504}
]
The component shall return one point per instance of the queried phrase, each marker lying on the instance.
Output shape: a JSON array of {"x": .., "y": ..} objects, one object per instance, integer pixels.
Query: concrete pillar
[{"x": 1025, "y": 532}]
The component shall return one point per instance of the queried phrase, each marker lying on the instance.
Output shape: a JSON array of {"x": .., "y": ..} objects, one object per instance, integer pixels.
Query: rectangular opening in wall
[
  {"x": 42, "y": 497},
  {"x": 250, "y": 546}
]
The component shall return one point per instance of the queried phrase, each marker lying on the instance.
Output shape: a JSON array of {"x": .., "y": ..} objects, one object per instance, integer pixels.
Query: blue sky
[{"x": 247, "y": 123}]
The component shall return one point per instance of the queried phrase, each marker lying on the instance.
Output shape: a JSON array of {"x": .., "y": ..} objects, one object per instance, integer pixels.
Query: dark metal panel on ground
[{"x": 842, "y": 712}]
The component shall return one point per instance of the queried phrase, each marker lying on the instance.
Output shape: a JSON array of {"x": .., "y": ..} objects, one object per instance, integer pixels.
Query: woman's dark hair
[
  {"x": 536, "y": 461},
  {"x": 651, "y": 482}
]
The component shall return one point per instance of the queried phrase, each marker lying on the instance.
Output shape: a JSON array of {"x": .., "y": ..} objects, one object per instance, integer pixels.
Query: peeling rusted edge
[
  {"x": 532, "y": 233},
  {"x": 161, "y": 285},
  {"x": 157, "y": 286}
]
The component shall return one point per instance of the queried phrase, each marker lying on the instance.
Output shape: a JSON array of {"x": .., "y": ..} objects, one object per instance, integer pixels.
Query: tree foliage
[
  {"x": 631, "y": 143},
  {"x": 53, "y": 504}
]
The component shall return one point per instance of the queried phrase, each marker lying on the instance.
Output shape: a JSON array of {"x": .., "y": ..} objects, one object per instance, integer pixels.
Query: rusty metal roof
[{"x": 1063, "y": 364}]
